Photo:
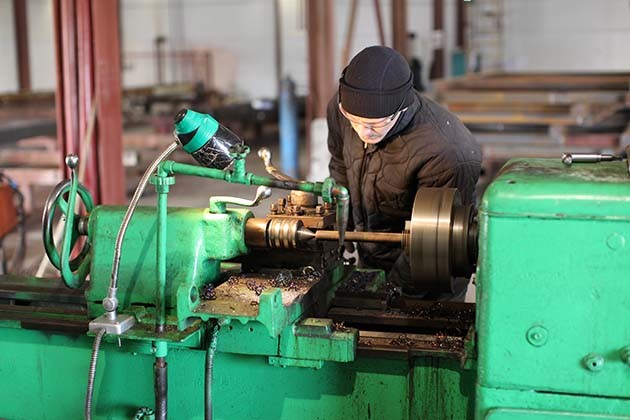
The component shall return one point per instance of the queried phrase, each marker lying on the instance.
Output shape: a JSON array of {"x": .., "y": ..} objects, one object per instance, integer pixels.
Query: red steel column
[
  {"x": 108, "y": 89},
  {"x": 20, "y": 23},
  {"x": 88, "y": 71},
  {"x": 321, "y": 59},
  {"x": 437, "y": 68},
  {"x": 399, "y": 26}
]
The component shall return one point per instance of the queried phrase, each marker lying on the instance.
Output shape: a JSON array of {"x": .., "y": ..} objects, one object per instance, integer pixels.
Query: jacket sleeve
[
  {"x": 336, "y": 166},
  {"x": 463, "y": 176}
]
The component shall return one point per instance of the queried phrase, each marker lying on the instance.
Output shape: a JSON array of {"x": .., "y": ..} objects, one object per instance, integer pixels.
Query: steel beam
[
  {"x": 20, "y": 24},
  {"x": 437, "y": 68},
  {"x": 399, "y": 26},
  {"x": 88, "y": 72},
  {"x": 321, "y": 68}
]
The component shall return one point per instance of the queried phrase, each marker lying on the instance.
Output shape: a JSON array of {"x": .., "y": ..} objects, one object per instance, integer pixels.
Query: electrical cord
[{"x": 92, "y": 374}]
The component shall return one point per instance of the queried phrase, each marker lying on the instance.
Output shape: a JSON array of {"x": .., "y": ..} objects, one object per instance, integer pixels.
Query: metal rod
[
  {"x": 160, "y": 305},
  {"x": 172, "y": 168},
  {"x": 333, "y": 235},
  {"x": 161, "y": 387}
]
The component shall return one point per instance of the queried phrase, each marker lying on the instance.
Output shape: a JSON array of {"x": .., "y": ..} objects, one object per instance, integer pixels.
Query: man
[{"x": 386, "y": 141}]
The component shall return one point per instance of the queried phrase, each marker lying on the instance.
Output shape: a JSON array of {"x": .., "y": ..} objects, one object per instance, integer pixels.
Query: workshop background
[
  {"x": 104, "y": 79},
  {"x": 234, "y": 59}
]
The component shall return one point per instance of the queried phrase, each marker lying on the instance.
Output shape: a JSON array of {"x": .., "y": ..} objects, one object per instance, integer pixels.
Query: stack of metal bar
[{"x": 541, "y": 114}]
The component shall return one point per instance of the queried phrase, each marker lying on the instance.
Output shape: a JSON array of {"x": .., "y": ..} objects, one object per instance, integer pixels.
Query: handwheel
[{"x": 63, "y": 198}]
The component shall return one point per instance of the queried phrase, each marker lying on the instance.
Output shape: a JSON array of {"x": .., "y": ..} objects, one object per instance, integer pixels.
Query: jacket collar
[{"x": 404, "y": 121}]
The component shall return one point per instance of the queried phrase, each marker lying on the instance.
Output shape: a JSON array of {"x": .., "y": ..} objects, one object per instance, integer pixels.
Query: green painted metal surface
[
  {"x": 43, "y": 376},
  {"x": 197, "y": 241},
  {"x": 552, "y": 290}
]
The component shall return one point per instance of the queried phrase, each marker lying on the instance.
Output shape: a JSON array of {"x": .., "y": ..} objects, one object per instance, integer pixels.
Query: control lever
[
  {"x": 218, "y": 203},
  {"x": 265, "y": 154}
]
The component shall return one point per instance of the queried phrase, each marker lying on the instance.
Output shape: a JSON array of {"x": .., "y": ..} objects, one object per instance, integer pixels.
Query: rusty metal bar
[
  {"x": 379, "y": 21},
  {"x": 108, "y": 90},
  {"x": 321, "y": 56},
  {"x": 88, "y": 67},
  {"x": 437, "y": 68},
  {"x": 460, "y": 24},
  {"x": 345, "y": 55},
  {"x": 399, "y": 26},
  {"x": 20, "y": 20},
  {"x": 333, "y": 235}
]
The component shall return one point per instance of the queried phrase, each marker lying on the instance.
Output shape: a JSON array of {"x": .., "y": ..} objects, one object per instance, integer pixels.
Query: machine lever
[
  {"x": 265, "y": 154},
  {"x": 218, "y": 203}
]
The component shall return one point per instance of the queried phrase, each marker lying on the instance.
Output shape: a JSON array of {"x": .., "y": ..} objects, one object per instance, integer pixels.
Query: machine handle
[
  {"x": 265, "y": 154},
  {"x": 218, "y": 203}
]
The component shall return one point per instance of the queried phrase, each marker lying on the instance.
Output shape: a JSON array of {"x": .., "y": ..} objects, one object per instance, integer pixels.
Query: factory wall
[
  {"x": 8, "y": 74},
  {"x": 566, "y": 35},
  {"x": 535, "y": 35},
  {"x": 240, "y": 34}
]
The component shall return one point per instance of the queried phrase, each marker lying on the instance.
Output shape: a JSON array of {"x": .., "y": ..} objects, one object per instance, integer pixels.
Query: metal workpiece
[
  {"x": 381, "y": 237},
  {"x": 441, "y": 245}
]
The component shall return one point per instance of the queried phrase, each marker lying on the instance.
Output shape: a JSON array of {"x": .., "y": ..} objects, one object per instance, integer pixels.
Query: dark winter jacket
[{"x": 428, "y": 147}]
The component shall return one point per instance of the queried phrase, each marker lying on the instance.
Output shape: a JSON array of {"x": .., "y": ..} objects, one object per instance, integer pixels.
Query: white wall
[
  {"x": 41, "y": 44},
  {"x": 537, "y": 35},
  {"x": 8, "y": 68},
  {"x": 239, "y": 32},
  {"x": 567, "y": 35}
]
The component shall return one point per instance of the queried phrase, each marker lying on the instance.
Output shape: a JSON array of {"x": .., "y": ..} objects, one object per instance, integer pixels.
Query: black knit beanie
[{"x": 375, "y": 83}]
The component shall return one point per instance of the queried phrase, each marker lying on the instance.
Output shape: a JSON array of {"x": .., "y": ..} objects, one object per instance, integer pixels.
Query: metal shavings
[
  {"x": 283, "y": 279},
  {"x": 438, "y": 310},
  {"x": 443, "y": 342},
  {"x": 208, "y": 292},
  {"x": 257, "y": 288},
  {"x": 311, "y": 273},
  {"x": 402, "y": 341},
  {"x": 338, "y": 326}
]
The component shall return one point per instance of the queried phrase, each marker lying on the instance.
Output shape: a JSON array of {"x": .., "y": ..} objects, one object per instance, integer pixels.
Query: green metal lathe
[{"x": 193, "y": 313}]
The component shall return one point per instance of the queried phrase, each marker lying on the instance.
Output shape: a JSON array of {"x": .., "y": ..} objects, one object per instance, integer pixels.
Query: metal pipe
[
  {"x": 162, "y": 188},
  {"x": 212, "y": 347},
  {"x": 160, "y": 387},
  {"x": 172, "y": 168},
  {"x": 92, "y": 374},
  {"x": 110, "y": 303}
]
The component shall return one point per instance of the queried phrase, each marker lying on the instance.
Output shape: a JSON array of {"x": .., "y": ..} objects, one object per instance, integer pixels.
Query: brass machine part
[
  {"x": 279, "y": 232},
  {"x": 440, "y": 238}
]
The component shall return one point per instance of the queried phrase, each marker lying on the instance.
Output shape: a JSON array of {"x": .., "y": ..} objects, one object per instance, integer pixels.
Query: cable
[
  {"x": 92, "y": 374},
  {"x": 125, "y": 223}
]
